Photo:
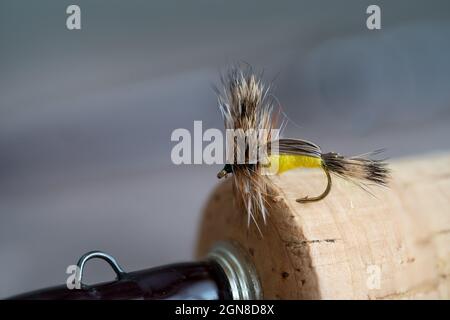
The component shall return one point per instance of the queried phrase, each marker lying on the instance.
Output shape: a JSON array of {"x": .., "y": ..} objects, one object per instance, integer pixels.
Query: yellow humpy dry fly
[{"x": 246, "y": 104}]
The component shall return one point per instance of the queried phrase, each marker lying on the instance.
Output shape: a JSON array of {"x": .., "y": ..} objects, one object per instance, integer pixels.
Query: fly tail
[{"x": 361, "y": 168}]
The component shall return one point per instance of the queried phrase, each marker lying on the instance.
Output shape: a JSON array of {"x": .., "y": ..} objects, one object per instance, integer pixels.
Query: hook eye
[
  {"x": 100, "y": 255},
  {"x": 222, "y": 173},
  {"x": 225, "y": 171}
]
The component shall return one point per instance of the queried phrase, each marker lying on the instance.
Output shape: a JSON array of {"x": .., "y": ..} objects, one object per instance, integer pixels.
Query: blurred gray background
[{"x": 86, "y": 116}]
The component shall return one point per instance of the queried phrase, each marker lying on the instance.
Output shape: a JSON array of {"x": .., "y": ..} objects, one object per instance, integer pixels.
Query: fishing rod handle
[{"x": 225, "y": 274}]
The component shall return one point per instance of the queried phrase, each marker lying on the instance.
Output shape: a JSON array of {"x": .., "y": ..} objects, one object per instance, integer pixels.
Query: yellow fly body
[{"x": 288, "y": 162}]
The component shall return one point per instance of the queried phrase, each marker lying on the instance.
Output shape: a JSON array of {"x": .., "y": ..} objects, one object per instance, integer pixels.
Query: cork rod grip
[{"x": 393, "y": 244}]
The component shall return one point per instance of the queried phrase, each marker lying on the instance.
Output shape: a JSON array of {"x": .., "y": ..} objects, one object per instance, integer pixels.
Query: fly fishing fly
[{"x": 246, "y": 104}]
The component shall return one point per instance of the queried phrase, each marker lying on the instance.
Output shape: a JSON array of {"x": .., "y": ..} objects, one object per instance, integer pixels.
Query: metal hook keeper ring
[{"x": 100, "y": 255}]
